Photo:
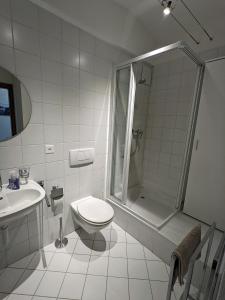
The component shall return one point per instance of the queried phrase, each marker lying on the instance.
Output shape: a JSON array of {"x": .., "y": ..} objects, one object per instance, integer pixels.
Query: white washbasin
[{"x": 17, "y": 203}]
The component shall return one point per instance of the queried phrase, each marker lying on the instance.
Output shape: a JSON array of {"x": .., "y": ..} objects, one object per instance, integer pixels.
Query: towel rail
[{"x": 208, "y": 237}]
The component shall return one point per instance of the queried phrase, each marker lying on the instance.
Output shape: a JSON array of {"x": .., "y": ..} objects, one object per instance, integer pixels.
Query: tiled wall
[
  {"x": 67, "y": 73},
  {"x": 169, "y": 110}
]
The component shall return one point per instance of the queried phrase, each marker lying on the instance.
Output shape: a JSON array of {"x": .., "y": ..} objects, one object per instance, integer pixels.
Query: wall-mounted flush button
[{"x": 49, "y": 149}]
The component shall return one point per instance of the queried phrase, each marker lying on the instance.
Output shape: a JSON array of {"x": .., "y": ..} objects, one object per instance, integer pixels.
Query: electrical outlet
[{"x": 49, "y": 149}]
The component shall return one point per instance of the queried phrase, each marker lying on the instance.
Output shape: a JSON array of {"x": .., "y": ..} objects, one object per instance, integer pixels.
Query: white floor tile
[
  {"x": 135, "y": 251},
  {"x": 159, "y": 290},
  {"x": 40, "y": 260},
  {"x": 116, "y": 227},
  {"x": 29, "y": 282},
  {"x": 18, "y": 297},
  {"x": 23, "y": 263},
  {"x": 150, "y": 255},
  {"x": 98, "y": 265},
  {"x": 117, "y": 288},
  {"x": 9, "y": 278},
  {"x": 117, "y": 267},
  {"x": 50, "y": 248},
  {"x": 50, "y": 284},
  {"x": 103, "y": 235},
  {"x": 73, "y": 235},
  {"x": 157, "y": 270},
  {"x": 60, "y": 262},
  {"x": 131, "y": 239},
  {"x": 140, "y": 289},
  {"x": 118, "y": 249},
  {"x": 95, "y": 287},
  {"x": 85, "y": 236},
  {"x": 83, "y": 247},
  {"x": 118, "y": 236},
  {"x": 43, "y": 298},
  {"x": 69, "y": 247},
  {"x": 137, "y": 269},
  {"x": 72, "y": 286},
  {"x": 79, "y": 264},
  {"x": 100, "y": 248}
]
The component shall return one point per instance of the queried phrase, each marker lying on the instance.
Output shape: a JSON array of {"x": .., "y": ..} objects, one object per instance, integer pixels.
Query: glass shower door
[{"x": 121, "y": 107}]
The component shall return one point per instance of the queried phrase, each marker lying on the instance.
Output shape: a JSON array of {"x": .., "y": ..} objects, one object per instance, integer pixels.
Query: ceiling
[{"x": 164, "y": 30}]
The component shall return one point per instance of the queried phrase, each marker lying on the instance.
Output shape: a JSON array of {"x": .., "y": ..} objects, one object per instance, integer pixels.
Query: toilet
[{"x": 92, "y": 214}]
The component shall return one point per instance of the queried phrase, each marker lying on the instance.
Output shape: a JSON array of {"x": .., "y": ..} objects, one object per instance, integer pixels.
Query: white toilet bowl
[{"x": 92, "y": 214}]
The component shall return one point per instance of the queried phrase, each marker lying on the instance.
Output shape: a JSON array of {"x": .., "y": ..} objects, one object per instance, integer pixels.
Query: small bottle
[{"x": 14, "y": 182}]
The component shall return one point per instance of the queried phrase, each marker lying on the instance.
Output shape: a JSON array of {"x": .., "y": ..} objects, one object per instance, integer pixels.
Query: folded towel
[{"x": 184, "y": 252}]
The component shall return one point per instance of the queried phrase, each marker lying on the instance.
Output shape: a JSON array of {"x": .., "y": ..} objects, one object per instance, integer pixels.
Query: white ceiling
[{"x": 211, "y": 13}]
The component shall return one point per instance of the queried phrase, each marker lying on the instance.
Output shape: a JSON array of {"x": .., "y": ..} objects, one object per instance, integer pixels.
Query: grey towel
[{"x": 184, "y": 252}]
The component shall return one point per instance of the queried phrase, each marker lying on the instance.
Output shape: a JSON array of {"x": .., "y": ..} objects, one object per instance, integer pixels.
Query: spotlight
[{"x": 167, "y": 7}]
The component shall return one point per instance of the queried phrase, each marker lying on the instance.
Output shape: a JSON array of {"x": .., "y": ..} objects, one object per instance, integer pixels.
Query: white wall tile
[
  {"x": 70, "y": 55},
  {"x": 52, "y": 71},
  {"x": 52, "y": 114},
  {"x": 28, "y": 65},
  {"x": 70, "y": 34},
  {"x": 50, "y": 24},
  {"x": 5, "y": 32},
  {"x": 87, "y": 42},
  {"x": 26, "y": 39},
  {"x": 10, "y": 157},
  {"x": 87, "y": 62},
  {"x": 71, "y": 115},
  {"x": 7, "y": 58},
  {"x": 5, "y": 8},
  {"x": 33, "y": 134},
  {"x": 54, "y": 170},
  {"x": 53, "y": 134},
  {"x": 70, "y": 76},
  {"x": 50, "y": 47},
  {"x": 52, "y": 93},
  {"x": 33, "y": 154},
  {"x": 25, "y": 13}
]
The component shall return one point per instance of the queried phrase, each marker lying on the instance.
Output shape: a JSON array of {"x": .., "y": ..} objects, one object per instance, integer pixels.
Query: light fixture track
[
  {"x": 196, "y": 20},
  {"x": 169, "y": 6},
  {"x": 185, "y": 29}
]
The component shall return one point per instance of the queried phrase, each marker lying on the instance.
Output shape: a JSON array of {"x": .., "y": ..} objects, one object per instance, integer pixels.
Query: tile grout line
[
  {"x": 128, "y": 279},
  {"x": 44, "y": 271},
  {"x": 67, "y": 268},
  {"x": 107, "y": 273},
  {"x": 149, "y": 280}
]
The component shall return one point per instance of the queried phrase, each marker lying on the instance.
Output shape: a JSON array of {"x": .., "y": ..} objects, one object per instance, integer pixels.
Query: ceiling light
[
  {"x": 166, "y": 11},
  {"x": 167, "y": 7}
]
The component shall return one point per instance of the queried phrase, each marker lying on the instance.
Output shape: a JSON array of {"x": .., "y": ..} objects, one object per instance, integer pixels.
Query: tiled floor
[{"x": 109, "y": 265}]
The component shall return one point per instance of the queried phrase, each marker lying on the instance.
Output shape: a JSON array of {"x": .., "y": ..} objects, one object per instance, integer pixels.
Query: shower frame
[{"x": 128, "y": 137}]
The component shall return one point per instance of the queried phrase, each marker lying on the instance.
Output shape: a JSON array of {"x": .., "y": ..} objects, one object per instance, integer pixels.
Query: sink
[{"x": 17, "y": 203}]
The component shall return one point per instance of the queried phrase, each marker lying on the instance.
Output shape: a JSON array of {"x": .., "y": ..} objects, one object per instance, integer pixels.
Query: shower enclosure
[{"x": 153, "y": 115}]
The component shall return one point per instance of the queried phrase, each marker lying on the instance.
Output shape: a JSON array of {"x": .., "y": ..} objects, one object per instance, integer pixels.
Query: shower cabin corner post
[
  {"x": 110, "y": 134},
  {"x": 128, "y": 140},
  {"x": 191, "y": 131}
]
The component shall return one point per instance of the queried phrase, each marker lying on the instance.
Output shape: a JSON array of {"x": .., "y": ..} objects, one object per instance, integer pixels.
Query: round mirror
[{"x": 15, "y": 105}]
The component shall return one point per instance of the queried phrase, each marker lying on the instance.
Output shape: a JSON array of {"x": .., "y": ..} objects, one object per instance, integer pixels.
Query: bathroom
[{"x": 111, "y": 149}]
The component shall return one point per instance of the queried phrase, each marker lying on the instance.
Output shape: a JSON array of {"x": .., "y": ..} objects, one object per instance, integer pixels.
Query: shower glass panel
[
  {"x": 119, "y": 130},
  {"x": 159, "y": 136}
]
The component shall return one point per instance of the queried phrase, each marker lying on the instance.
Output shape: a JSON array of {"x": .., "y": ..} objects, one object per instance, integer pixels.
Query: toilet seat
[{"x": 95, "y": 211}]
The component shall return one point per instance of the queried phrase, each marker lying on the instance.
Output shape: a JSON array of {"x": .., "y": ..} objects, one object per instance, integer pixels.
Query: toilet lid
[{"x": 95, "y": 210}]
